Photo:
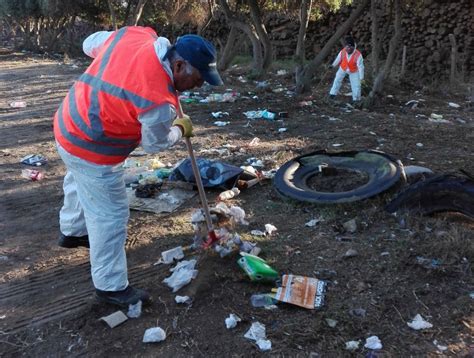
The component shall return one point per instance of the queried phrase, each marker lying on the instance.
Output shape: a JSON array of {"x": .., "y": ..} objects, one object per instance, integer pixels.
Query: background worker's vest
[
  {"x": 352, "y": 63},
  {"x": 98, "y": 119}
]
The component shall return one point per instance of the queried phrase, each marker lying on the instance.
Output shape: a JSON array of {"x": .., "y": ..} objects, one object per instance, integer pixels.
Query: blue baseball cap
[{"x": 201, "y": 54}]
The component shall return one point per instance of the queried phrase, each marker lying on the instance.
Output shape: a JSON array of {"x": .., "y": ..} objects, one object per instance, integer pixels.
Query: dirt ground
[{"x": 47, "y": 306}]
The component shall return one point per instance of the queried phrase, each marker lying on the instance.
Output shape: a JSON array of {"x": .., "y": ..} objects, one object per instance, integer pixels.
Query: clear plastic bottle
[
  {"x": 228, "y": 194},
  {"x": 262, "y": 300}
]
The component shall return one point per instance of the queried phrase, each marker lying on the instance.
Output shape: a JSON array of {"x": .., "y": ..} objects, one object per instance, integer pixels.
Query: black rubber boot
[
  {"x": 129, "y": 296},
  {"x": 71, "y": 242}
]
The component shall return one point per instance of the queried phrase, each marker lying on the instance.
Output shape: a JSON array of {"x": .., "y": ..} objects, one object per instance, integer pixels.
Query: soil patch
[{"x": 334, "y": 180}]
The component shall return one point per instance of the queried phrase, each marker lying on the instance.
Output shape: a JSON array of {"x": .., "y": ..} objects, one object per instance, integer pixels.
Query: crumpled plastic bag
[
  {"x": 183, "y": 273},
  {"x": 419, "y": 323},
  {"x": 257, "y": 333},
  {"x": 154, "y": 334},
  {"x": 213, "y": 173}
]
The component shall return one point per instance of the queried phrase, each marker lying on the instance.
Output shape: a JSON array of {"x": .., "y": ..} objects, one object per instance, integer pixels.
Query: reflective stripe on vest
[
  {"x": 121, "y": 106},
  {"x": 349, "y": 64}
]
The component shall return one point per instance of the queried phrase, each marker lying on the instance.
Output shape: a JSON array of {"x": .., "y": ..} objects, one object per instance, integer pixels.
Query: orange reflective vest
[
  {"x": 352, "y": 63},
  {"x": 98, "y": 119}
]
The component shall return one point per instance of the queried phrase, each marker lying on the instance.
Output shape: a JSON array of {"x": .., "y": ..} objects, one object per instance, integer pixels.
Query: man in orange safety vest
[
  {"x": 126, "y": 97},
  {"x": 350, "y": 62}
]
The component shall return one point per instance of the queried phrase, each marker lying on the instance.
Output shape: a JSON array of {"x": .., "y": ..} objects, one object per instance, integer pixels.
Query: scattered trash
[
  {"x": 262, "y": 300},
  {"x": 228, "y": 194},
  {"x": 331, "y": 322},
  {"x": 218, "y": 97},
  {"x": 352, "y": 345},
  {"x": 114, "y": 319},
  {"x": 338, "y": 144},
  {"x": 419, "y": 145},
  {"x": 305, "y": 103},
  {"x": 232, "y": 320},
  {"x": 312, "y": 222},
  {"x": 306, "y": 292},
  {"x": 182, "y": 299},
  {"x": 169, "y": 256},
  {"x": 155, "y": 163},
  {"x": 282, "y": 130},
  {"x": 283, "y": 114},
  {"x": 148, "y": 190},
  {"x": 419, "y": 323},
  {"x": 257, "y": 233},
  {"x": 412, "y": 170},
  {"x": 282, "y": 72},
  {"x": 350, "y": 226},
  {"x": 333, "y": 119},
  {"x": 213, "y": 173},
  {"x": 268, "y": 115},
  {"x": 135, "y": 311},
  {"x": 18, "y": 104},
  {"x": 254, "y": 162},
  {"x": 219, "y": 114},
  {"x": 221, "y": 124},
  {"x": 183, "y": 273},
  {"x": 257, "y": 333},
  {"x": 262, "y": 84},
  {"x": 166, "y": 202},
  {"x": 34, "y": 159},
  {"x": 358, "y": 312},
  {"x": 373, "y": 342},
  {"x": 437, "y": 118},
  {"x": 428, "y": 263},
  {"x": 256, "y": 268},
  {"x": 154, "y": 334},
  {"x": 453, "y": 105},
  {"x": 32, "y": 174},
  {"x": 270, "y": 229},
  {"x": 439, "y": 346},
  {"x": 350, "y": 253},
  {"x": 413, "y": 103},
  {"x": 264, "y": 344}
]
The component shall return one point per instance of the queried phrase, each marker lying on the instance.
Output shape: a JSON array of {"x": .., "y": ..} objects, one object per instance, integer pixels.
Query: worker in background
[
  {"x": 127, "y": 96},
  {"x": 350, "y": 62}
]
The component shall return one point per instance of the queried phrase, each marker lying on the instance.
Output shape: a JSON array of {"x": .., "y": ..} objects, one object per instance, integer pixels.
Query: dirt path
[{"x": 46, "y": 304}]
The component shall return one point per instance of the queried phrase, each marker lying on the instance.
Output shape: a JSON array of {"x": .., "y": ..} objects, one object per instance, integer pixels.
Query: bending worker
[
  {"x": 127, "y": 96},
  {"x": 350, "y": 62}
]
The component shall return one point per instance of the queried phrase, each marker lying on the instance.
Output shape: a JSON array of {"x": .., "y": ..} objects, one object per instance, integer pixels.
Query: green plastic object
[
  {"x": 256, "y": 268},
  {"x": 163, "y": 173}
]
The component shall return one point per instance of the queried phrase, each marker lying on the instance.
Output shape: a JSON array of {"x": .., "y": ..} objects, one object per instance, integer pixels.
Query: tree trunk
[
  {"x": 375, "y": 37},
  {"x": 305, "y": 10},
  {"x": 392, "y": 51},
  {"x": 262, "y": 34},
  {"x": 230, "y": 50},
  {"x": 210, "y": 16},
  {"x": 112, "y": 14},
  {"x": 404, "y": 62},
  {"x": 452, "y": 76},
  {"x": 310, "y": 69},
  {"x": 256, "y": 46},
  {"x": 138, "y": 11}
]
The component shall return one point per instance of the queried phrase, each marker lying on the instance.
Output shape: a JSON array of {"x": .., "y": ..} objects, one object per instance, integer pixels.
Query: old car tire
[{"x": 382, "y": 170}]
